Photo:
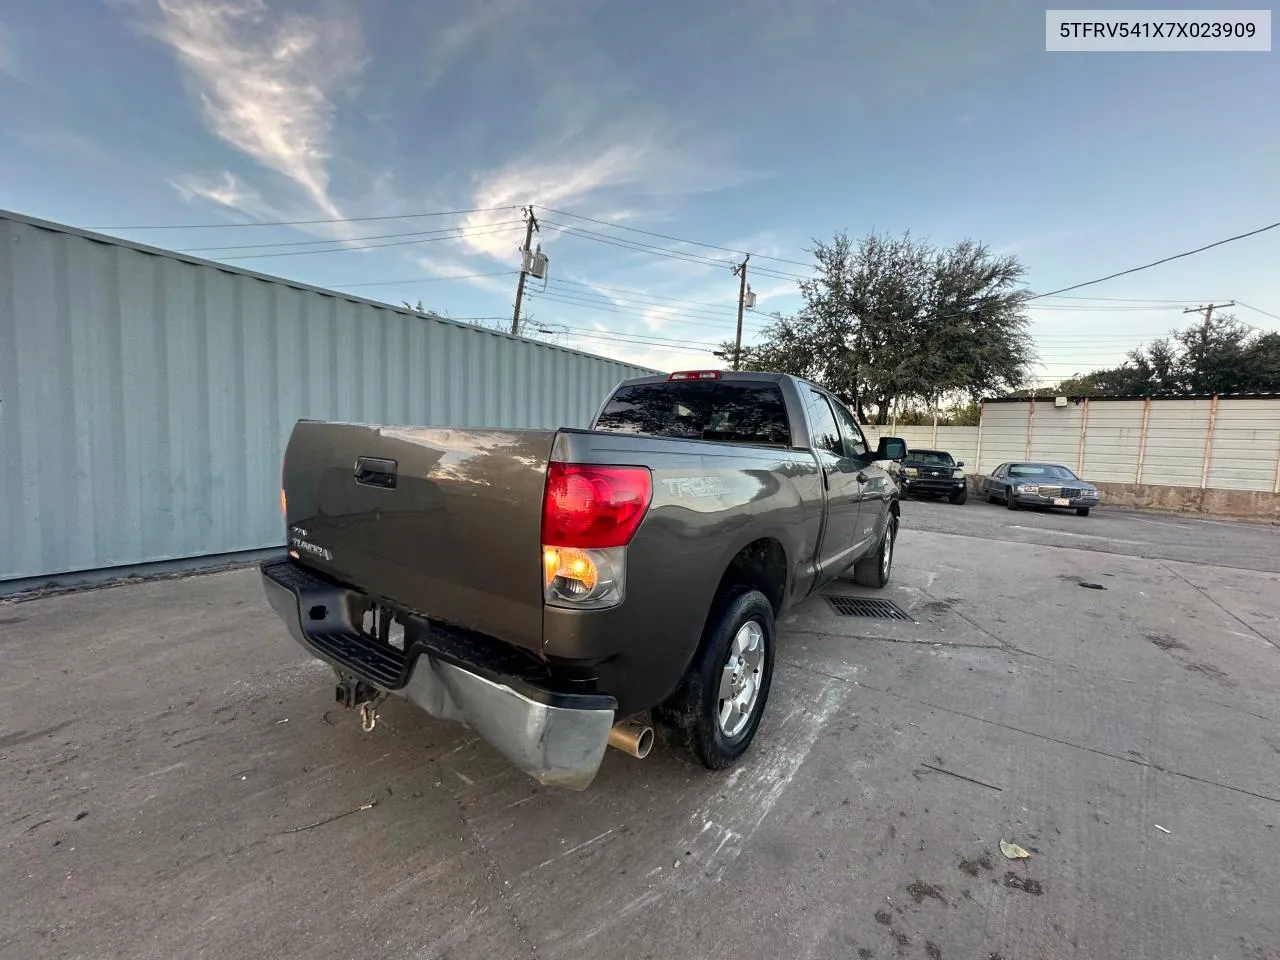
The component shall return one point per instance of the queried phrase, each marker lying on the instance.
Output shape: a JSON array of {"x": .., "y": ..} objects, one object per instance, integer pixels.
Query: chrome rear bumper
[
  {"x": 556, "y": 745},
  {"x": 558, "y": 739}
]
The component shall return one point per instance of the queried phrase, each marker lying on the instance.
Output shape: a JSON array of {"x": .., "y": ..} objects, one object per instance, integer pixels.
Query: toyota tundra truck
[{"x": 563, "y": 591}]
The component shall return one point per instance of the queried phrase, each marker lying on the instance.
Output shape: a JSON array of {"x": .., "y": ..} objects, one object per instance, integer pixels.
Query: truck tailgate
[{"x": 442, "y": 521}]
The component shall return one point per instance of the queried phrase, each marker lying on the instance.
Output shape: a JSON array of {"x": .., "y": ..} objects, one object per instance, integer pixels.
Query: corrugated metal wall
[
  {"x": 145, "y": 398},
  {"x": 1232, "y": 443},
  {"x": 1174, "y": 451},
  {"x": 1113, "y": 437},
  {"x": 1243, "y": 432}
]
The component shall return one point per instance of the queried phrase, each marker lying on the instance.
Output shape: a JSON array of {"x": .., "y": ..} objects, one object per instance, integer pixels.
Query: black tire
[
  {"x": 1082, "y": 511},
  {"x": 874, "y": 571},
  {"x": 960, "y": 496},
  {"x": 992, "y": 498},
  {"x": 1010, "y": 500},
  {"x": 693, "y": 713}
]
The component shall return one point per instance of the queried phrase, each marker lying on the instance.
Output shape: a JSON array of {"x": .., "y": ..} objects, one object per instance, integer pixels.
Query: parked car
[
  {"x": 932, "y": 473},
  {"x": 1040, "y": 485},
  {"x": 547, "y": 588}
]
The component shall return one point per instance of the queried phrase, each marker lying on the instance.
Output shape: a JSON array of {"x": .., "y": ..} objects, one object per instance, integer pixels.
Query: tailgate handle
[{"x": 376, "y": 472}]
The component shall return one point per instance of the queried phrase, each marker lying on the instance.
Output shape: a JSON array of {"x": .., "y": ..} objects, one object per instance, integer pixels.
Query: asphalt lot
[{"x": 172, "y": 767}]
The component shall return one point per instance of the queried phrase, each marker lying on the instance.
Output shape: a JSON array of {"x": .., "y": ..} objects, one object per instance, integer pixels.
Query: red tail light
[
  {"x": 593, "y": 507},
  {"x": 695, "y": 375}
]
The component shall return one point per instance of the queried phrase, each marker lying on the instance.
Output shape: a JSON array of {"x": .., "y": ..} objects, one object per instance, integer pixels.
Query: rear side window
[{"x": 731, "y": 412}]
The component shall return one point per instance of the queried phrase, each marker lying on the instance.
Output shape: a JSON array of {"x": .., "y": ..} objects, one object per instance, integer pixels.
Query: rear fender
[{"x": 726, "y": 562}]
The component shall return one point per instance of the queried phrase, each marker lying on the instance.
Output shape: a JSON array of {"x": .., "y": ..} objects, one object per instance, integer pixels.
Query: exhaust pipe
[{"x": 633, "y": 737}]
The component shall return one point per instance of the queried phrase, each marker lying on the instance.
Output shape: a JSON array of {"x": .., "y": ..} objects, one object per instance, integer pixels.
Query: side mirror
[
  {"x": 891, "y": 448},
  {"x": 959, "y": 463}
]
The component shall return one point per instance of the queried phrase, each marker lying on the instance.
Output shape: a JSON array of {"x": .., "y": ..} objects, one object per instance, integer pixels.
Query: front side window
[
  {"x": 855, "y": 444},
  {"x": 826, "y": 435}
]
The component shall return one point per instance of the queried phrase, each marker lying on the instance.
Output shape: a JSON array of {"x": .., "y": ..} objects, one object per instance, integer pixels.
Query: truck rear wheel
[
  {"x": 718, "y": 705},
  {"x": 874, "y": 571}
]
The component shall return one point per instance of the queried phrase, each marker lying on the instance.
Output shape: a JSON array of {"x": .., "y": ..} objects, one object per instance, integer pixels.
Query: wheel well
[{"x": 761, "y": 565}]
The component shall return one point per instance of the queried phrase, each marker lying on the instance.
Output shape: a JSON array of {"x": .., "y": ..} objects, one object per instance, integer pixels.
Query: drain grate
[{"x": 866, "y": 607}]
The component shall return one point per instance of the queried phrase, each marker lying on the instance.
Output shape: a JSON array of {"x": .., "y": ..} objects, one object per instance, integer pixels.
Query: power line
[
  {"x": 1083, "y": 308},
  {"x": 638, "y": 247},
  {"x": 458, "y": 276},
  {"x": 639, "y": 336},
  {"x": 1131, "y": 299},
  {"x": 629, "y": 312},
  {"x": 639, "y": 343},
  {"x": 369, "y": 246},
  {"x": 636, "y": 339},
  {"x": 1265, "y": 313},
  {"x": 635, "y": 308},
  {"x": 696, "y": 243},
  {"x": 301, "y": 223},
  {"x": 312, "y": 243},
  {"x": 1086, "y": 339},
  {"x": 641, "y": 293},
  {"x": 1156, "y": 263},
  {"x": 675, "y": 309}
]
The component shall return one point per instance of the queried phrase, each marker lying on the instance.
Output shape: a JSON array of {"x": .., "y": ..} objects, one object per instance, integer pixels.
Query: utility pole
[
  {"x": 1208, "y": 315},
  {"x": 740, "y": 271},
  {"x": 531, "y": 224}
]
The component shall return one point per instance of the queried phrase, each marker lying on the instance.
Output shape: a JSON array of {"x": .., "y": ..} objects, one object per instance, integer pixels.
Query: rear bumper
[{"x": 557, "y": 738}]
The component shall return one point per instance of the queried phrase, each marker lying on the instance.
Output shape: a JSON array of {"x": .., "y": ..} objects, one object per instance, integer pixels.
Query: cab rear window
[{"x": 727, "y": 411}]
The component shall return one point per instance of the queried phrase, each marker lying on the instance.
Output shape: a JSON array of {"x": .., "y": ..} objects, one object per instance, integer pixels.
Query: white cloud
[
  {"x": 628, "y": 160},
  {"x": 564, "y": 180},
  {"x": 226, "y": 190},
  {"x": 265, "y": 84},
  {"x": 655, "y": 358},
  {"x": 774, "y": 291},
  {"x": 445, "y": 266}
]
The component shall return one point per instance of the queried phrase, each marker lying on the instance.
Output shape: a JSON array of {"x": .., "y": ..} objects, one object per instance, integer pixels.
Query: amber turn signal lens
[{"x": 569, "y": 564}]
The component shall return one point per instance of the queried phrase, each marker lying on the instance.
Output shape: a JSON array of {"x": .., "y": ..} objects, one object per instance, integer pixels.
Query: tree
[
  {"x": 890, "y": 320},
  {"x": 1226, "y": 356},
  {"x": 965, "y": 415}
]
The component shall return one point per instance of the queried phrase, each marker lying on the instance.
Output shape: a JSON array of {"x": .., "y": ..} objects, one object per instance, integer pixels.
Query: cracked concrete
[{"x": 164, "y": 738}]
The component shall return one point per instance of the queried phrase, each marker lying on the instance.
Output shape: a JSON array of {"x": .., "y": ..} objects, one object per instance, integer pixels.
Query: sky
[{"x": 752, "y": 126}]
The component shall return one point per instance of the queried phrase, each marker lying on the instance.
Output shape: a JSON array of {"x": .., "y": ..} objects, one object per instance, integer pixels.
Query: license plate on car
[{"x": 1061, "y": 502}]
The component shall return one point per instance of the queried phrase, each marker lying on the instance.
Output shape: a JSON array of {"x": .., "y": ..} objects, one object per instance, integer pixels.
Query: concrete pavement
[{"x": 178, "y": 784}]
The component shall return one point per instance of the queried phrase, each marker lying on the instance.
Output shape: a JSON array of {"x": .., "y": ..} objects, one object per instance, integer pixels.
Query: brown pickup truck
[{"x": 554, "y": 589}]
